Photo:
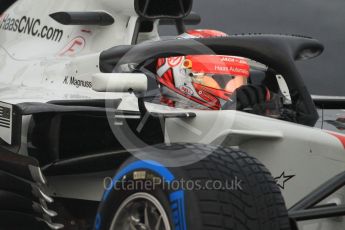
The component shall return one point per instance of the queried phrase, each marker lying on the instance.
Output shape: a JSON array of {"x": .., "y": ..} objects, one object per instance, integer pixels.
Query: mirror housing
[
  {"x": 159, "y": 9},
  {"x": 120, "y": 82}
]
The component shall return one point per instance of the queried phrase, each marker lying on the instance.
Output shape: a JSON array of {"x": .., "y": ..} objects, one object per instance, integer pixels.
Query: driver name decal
[
  {"x": 70, "y": 80},
  {"x": 30, "y": 26}
]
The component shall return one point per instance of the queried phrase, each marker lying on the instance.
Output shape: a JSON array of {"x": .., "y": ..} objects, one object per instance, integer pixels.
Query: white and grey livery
[{"x": 73, "y": 81}]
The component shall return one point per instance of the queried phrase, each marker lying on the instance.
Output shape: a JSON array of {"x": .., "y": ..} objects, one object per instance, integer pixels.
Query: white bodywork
[{"x": 36, "y": 69}]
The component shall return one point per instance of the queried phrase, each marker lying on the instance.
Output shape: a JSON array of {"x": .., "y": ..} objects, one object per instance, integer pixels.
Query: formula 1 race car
[{"x": 106, "y": 125}]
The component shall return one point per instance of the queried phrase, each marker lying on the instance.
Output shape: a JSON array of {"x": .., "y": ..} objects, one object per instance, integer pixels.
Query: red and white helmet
[{"x": 206, "y": 81}]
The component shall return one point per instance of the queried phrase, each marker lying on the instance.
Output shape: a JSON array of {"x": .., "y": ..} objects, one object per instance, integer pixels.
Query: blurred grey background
[{"x": 321, "y": 19}]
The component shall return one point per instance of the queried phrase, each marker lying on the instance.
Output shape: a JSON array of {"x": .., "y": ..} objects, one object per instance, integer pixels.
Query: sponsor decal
[
  {"x": 234, "y": 60},
  {"x": 185, "y": 89},
  {"x": 232, "y": 70},
  {"x": 283, "y": 179},
  {"x": 214, "y": 64},
  {"x": 177, "y": 204},
  {"x": 70, "y": 80},
  {"x": 73, "y": 47},
  {"x": 30, "y": 26}
]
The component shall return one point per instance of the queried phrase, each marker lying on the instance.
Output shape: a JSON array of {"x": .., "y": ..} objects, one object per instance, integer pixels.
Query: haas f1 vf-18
[{"x": 105, "y": 124}]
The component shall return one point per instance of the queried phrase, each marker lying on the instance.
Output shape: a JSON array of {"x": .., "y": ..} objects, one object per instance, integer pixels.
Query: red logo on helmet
[
  {"x": 186, "y": 90},
  {"x": 174, "y": 61}
]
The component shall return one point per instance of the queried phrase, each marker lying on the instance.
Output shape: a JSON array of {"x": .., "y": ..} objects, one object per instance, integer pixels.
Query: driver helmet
[{"x": 200, "y": 81}]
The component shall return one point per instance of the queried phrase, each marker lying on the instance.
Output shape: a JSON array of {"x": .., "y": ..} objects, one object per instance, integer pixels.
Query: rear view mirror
[{"x": 119, "y": 82}]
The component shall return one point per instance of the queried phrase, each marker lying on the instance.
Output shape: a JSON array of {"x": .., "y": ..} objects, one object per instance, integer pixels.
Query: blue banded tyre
[{"x": 227, "y": 189}]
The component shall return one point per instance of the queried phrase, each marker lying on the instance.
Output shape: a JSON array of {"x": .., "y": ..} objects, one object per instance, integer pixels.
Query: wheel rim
[{"x": 140, "y": 211}]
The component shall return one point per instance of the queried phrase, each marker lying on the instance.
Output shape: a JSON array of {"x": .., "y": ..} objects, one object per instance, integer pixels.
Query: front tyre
[
  {"x": 141, "y": 211},
  {"x": 226, "y": 190}
]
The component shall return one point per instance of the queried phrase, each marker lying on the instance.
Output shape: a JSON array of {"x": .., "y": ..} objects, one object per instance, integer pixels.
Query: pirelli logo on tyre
[
  {"x": 30, "y": 26},
  {"x": 6, "y": 122}
]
